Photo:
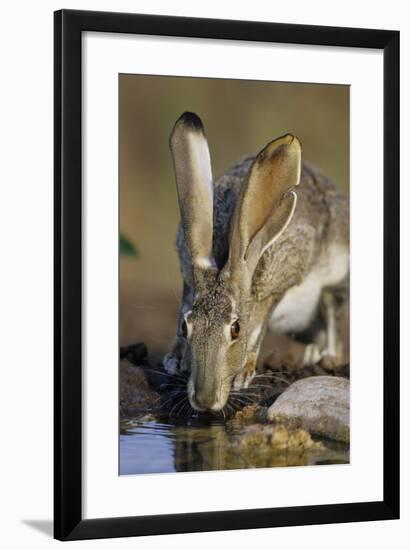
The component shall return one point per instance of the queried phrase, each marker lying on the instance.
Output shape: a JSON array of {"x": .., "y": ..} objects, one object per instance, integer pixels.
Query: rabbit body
[{"x": 261, "y": 269}]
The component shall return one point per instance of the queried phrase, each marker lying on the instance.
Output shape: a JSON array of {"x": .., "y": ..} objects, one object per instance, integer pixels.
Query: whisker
[
  {"x": 164, "y": 373},
  {"x": 239, "y": 403},
  {"x": 155, "y": 371},
  {"x": 262, "y": 386},
  {"x": 247, "y": 395},
  {"x": 177, "y": 390},
  {"x": 232, "y": 407},
  {"x": 269, "y": 374},
  {"x": 238, "y": 396},
  {"x": 176, "y": 395},
  {"x": 172, "y": 398},
  {"x": 238, "y": 406},
  {"x": 246, "y": 391},
  {"x": 186, "y": 408},
  {"x": 181, "y": 408},
  {"x": 277, "y": 378},
  {"x": 176, "y": 404},
  {"x": 183, "y": 386}
]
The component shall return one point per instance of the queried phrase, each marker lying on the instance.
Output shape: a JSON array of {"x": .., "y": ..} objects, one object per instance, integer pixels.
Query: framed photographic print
[{"x": 226, "y": 274}]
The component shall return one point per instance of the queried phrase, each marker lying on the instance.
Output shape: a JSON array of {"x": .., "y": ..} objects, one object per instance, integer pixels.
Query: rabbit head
[{"x": 225, "y": 320}]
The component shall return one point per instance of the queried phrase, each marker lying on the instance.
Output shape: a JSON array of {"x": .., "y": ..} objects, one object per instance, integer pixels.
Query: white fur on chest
[{"x": 296, "y": 309}]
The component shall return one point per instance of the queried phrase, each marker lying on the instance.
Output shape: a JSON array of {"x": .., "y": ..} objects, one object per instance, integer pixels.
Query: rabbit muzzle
[
  {"x": 207, "y": 396},
  {"x": 214, "y": 362}
]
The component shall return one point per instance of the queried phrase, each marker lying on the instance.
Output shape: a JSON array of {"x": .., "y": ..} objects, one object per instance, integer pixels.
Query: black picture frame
[{"x": 68, "y": 522}]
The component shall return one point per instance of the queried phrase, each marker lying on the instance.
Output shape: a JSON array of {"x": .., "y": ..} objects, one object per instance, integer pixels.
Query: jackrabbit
[{"x": 255, "y": 254}]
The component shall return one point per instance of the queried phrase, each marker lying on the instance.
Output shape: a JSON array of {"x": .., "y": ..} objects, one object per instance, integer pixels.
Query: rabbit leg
[
  {"x": 324, "y": 348},
  {"x": 336, "y": 314},
  {"x": 173, "y": 361}
]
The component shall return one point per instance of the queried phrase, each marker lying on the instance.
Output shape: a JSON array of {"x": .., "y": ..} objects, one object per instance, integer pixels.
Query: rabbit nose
[{"x": 204, "y": 400}]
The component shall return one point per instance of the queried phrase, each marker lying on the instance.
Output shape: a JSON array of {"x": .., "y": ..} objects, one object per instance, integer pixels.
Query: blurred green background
[{"x": 240, "y": 117}]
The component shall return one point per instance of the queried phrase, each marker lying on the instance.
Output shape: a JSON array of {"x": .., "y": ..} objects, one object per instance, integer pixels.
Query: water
[{"x": 154, "y": 446}]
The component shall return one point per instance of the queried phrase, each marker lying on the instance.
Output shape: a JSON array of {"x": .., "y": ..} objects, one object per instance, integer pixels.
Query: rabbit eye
[
  {"x": 235, "y": 330},
  {"x": 184, "y": 329},
  {"x": 186, "y": 326}
]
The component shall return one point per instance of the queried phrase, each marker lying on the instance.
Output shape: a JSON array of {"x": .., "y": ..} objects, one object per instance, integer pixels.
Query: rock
[
  {"x": 137, "y": 353},
  {"x": 136, "y": 396},
  {"x": 319, "y": 404}
]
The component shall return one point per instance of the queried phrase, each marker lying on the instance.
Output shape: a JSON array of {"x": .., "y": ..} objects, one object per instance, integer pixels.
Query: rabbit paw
[
  {"x": 171, "y": 363},
  {"x": 316, "y": 355},
  {"x": 176, "y": 361},
  {"x": 245, "y": 377},
  {"x": 313, "y": 354},
  {"x": 330, "y": 362}
]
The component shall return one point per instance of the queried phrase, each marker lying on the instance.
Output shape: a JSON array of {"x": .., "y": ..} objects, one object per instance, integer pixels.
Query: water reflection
[{"x": 151, "y": 446}]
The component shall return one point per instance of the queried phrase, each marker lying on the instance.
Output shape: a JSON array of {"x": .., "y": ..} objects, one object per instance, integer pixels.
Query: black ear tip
[{"x": 191, "y": 120}]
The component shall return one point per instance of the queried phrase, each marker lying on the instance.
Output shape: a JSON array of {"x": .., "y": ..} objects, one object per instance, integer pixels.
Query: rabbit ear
[
  {"x": 267, "y": 202},
  {"x": 193, "y": 174}
]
